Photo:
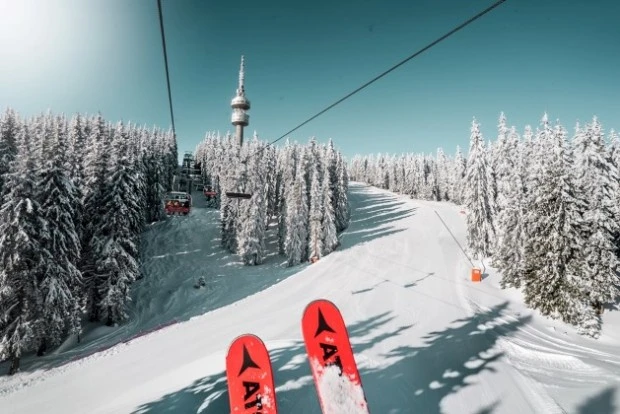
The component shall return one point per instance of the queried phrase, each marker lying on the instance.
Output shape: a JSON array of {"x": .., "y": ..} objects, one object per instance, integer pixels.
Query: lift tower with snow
[{"x": 240, "y": 104}]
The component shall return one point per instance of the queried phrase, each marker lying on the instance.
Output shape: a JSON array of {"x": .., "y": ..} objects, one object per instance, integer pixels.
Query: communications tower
[{"x": 240, "y": 104}]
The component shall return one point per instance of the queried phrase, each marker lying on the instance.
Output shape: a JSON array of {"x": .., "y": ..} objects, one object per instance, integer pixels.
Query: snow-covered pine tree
[
  {"x": 287, "y": 167},
  {"x": 329, "y": 235},
  {"x": 498, "y": 161},
  {"x": 22, "y": 256},
  {"x": 456, "y": 181},
  {"x": 96, "y": 172},
  {"x": 614, "y": 146},
  {"x": 235, "y": 179},
  {"x": 296, "y": 243},
  {"x": 397, "y": 175},
  {"x": 432, "y": 185},
  {"x": 271, "y": 172},
  {"x": 251, "y": 234},
  {"x": 599, "y": 181},
  {"x": 312, "y": 157},
  {"x": 315, "y": 242},
  {"x": 170, "y": 159},
  {"x": 380, "y": 177},
  {"x": 477, "y": 197},
  {"x": 614, "y": 156},
  {"x": 204, "y": 153},
  {"x": 155, "y": 174},
  {"x": 9, "y": 123},
  {"x": 77, "y": 145},
  {"x": 226, "y": 220},
  {"x": 279, "y": 174},
  {"x": 136, "y": 156},
  {"x": 529, "y": 161},
  {"x": 342, "y": 209},
  {"x": 407, "y": 174},
  {"x": 401, "y": 172},
  {"x": 331, "y": 165},
  {"x": 534, "y": 166},
  {"x": 364, "y": 168},
  {"x": 115, "y": 251},
  {"x": 419, "y": 177},
  {"x": 509, "y": 256},
  {"x": 489, "y": 150},
  {"x": 552, "y": 266},
  {"x": 60, "y": 285},
  {"x": 443, "y": 175},
  {"x": 504, "y": 163}
]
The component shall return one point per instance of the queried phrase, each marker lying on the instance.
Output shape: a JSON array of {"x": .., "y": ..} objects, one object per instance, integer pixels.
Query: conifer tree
[
  {"x": 96, "y": 171},
  {"x": 287, "y": 172},
  {"x": 329, "y": 236},
  {"x": 155, "y": 177},
  {"x": 22, "y": 256},
  {"x": 61, "y": 283},
  {"x": 341, "y": 188},
  {"x": 509, "y": 258},
  {"x": 458, "y": 171},
  {"x": 115, "y": 252},
  {"x": 9, "y": 127},
  {"x": 251, "y": 234},
  {"x": 235, "y": 181},
  {"x": 553, "y": 250},
  {"x": 77, "y": 142},
  {"x": 170, "y": 159},
  {"x": 477, "y": 197},
  {"x": 315, "y": 242},
  {"x": 296, "y": 219},
  {"x": 599, "y": 181},
  {"x": 497, "y": 161}
]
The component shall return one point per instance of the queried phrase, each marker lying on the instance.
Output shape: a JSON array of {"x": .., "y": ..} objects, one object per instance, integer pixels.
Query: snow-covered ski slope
[{"x": 427, "y": 340}]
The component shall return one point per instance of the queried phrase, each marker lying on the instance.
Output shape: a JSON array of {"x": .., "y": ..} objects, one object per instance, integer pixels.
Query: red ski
[
  {"x": 332, "y": 363},
  {"x": 250, "y": 377}
]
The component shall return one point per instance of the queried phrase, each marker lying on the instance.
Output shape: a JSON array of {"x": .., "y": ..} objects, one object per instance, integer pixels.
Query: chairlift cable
[
  {"x": 376, "y": 78},
  {"x": 163, "y": 41}
]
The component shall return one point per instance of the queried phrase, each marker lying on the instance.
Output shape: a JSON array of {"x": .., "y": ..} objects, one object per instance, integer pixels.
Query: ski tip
[
  {"x": 246, "y": 338},
  {"x": 246, "y": 335},
  {"x": 320, "y": 301}
]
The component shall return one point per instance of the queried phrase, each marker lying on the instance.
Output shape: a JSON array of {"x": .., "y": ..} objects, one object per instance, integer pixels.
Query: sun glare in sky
[{"x": 33, "y": 38}]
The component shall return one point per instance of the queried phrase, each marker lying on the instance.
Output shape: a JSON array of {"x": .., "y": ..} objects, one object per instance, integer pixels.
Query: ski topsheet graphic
[
  {"x": 250, "y": 377},
  {"x": 331, "y": 359}
]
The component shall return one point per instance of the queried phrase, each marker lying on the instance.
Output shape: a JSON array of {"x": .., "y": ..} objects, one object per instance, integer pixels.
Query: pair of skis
[{"x": 250, "y": 377}]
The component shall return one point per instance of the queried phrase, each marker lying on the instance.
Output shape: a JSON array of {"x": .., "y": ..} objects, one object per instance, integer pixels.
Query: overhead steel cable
[
  {"x": 376, "y": 78},
  {"x": 163, "y": 42}
]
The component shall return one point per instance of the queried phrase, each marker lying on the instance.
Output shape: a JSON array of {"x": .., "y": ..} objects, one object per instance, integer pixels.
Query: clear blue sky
[{"x": 524, "y": 58}]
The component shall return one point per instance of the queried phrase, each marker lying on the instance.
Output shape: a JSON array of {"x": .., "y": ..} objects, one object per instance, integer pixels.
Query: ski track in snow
[{"x": 425, "y": 337}]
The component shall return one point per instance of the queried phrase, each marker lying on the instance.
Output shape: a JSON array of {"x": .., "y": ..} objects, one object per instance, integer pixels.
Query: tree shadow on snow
[
  {"x": 406, "y": 286},
  {"x": 602, "y": 403},
  {"x": 489, "y": 408},
  {"x": 406, "y": 379},
  {"x": 371, "y": 216},
  {"x": 615, "y": 306},
  {"x": 423, "y": 376}
]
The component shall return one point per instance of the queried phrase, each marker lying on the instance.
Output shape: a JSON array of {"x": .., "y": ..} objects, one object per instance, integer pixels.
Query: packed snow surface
[
  {"x": 340, "y": 395},
  {"x": 426, "y": 338}
]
